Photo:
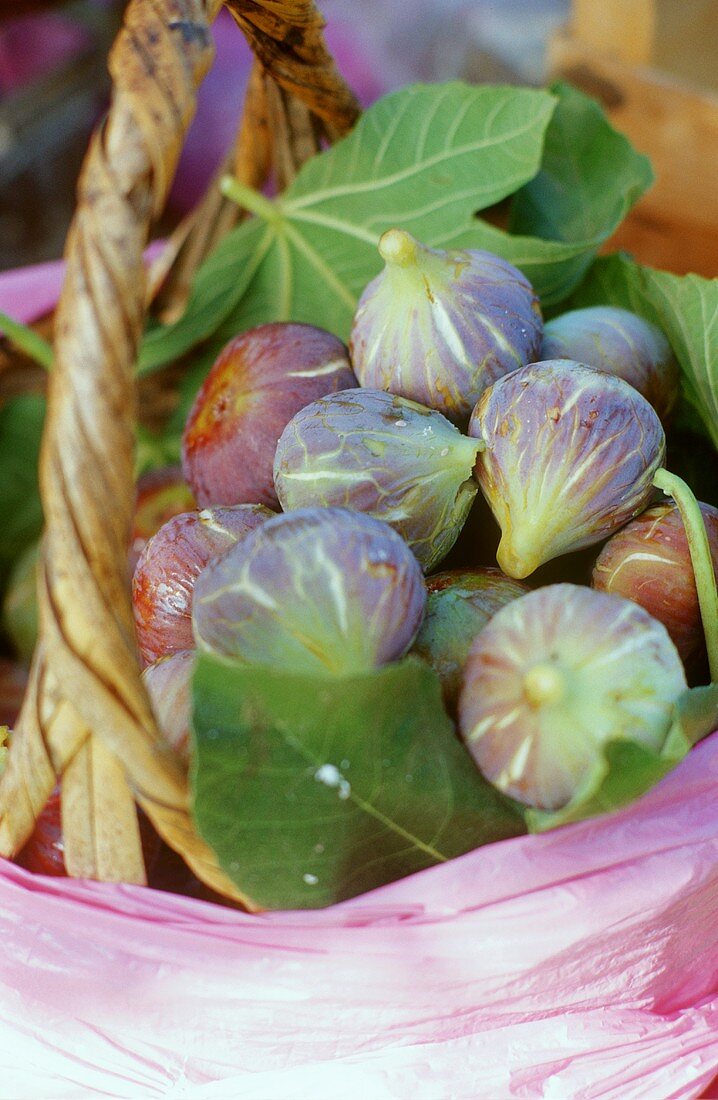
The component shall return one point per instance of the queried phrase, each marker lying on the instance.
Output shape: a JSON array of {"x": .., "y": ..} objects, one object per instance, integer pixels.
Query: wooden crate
[{"x": 653, "y": 64}]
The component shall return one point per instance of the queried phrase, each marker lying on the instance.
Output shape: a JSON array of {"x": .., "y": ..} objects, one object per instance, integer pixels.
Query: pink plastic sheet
[{"x": 579, "y": 964}]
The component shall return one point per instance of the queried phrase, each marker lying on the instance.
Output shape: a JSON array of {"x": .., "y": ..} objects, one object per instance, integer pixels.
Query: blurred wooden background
[{"x": 654, "y": 66}]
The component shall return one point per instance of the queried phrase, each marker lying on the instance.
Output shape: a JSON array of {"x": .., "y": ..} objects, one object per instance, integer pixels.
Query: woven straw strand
[{"x": 86, "y": 713}]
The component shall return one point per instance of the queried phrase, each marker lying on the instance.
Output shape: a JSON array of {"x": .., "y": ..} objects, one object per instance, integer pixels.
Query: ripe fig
[
  {"x": 161, "y": 494},
  {"x": 618, "y": 342},
  {"x": 570, "y": 457},
  {"x": 552, "y": 678},
  {"x": 459, "y": 604},
  {"x": 260, "y": 380},
  {"x": 385, "y": 456},
  {"x": 169, "y": 565},
  {"x": 44, "y": 851},
  {"x": 649, "y": 562},
  {"x": 318, "y": 590},
  {"x": 438, "y": 327}
]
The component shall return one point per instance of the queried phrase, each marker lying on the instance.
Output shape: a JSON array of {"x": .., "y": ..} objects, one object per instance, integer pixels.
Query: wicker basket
[
  {"x": 457, "y": 982},
  {"x": 86, "y": 716}
]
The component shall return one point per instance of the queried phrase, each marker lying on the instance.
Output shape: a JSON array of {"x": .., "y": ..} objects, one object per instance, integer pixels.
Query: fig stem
[
  {"x": 398, "y": 247},
  {"x": 701, "y": 560},
  {"x": 250, "y": 199},
  {"x": 543, "y": 685},
  {"x": 27, "y": 340}
]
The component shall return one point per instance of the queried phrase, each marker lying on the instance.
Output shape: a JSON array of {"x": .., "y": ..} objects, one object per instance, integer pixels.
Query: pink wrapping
[{"x": 579, "y": 964}]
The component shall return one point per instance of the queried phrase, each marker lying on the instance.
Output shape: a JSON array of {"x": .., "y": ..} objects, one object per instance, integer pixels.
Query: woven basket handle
[{"x": 86, "y": 716}]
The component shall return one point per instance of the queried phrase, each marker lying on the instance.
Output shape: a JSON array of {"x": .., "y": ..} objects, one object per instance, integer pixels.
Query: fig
[
  {"x": 618, "y": 342},
  {"x": 385, "y": 456},
  {"x": 556, "y": 675},
  {"x": 44, "y": 851},
  {"x": 161, "y": 494},
  {"x": 317, "y": 590},
  {"x": 570, "y": 457},
  {"x": 439, "y": 326},
  {"x": 168, "y": 567},
  {"x": 649, "y": 562},
  {"x": 260, "y": 380},
  {"x": 459, "y": 604},
  {"x": 169, "y": 686}
]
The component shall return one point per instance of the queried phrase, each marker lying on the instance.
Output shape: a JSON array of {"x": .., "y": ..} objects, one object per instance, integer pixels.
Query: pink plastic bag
[{"x": 579, "y": 964}]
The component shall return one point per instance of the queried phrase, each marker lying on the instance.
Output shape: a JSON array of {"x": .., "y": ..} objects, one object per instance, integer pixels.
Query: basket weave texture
[{"x": 86, "y": 717}]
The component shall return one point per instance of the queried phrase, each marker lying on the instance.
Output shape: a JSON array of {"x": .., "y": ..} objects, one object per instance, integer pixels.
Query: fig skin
[
  {"x": 552, "y": 678},
  {"x": 320, "y": 590},
  {"x": 44, "y": 851},
  {"x": 459, "y": 604},
  {"x": 386, "y": 457},
  {"x": 570, "y": 457},
  {"x": 620, "y": 343},
  {"x": 649, "y": 562},
  {"x": 257, "y": 384},
  {"x": 439, "y": 326},
  {"x": 164, "y": 580},
  {"x": 161, "y": 494}
]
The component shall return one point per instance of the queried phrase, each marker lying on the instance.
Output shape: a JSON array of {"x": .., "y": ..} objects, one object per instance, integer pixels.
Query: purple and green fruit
[
  {"x": 440, "y": 326},
  {"x": 383, "y": 456}
]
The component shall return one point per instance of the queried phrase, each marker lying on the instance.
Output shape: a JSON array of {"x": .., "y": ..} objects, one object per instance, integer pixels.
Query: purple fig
[
  {"x": 317, "y": 590},
  {"x": 161, "y": 493},
  {"x": 459, "y": 604},
  {"x": 438, "y": 327},
  {"x": 552, "y": 678},
  {"x": 618, "y": 342},
  {"x": 169, "y": 565},
  {"x": 385, "y": 456},
  {"x": 259, "y": 381},
  {"x": 649, "y": 562},
  {"x": 570, "y": 457}
]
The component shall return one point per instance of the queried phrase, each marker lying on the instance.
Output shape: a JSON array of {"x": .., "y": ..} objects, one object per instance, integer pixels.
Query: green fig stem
[
  {"x": 251, "y": 200},
  {"x": 543, "y": 685},
  {"x": 398, "y": 247},
  {"x": 701, "y": 559}
]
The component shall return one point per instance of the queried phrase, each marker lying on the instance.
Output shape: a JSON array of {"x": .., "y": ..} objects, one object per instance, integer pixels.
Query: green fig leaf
[
  {"x": 626, "y": 769},
  {"x": 426, "y": 158},
  {"x": 218, "y": 285},
  {"x": 21, "y": 422},
  {"x": 590, "y": 177},
  {"x": 313, "y": 789},
  {"x": 685, "y": 308}
]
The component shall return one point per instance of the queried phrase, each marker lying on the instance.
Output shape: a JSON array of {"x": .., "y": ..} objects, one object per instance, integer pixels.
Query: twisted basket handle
[{"x": 86, "y": 715}]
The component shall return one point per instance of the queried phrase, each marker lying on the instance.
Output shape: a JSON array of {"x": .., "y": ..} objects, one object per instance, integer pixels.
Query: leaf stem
[
  {"x": 701, "y": 559},
  {"x": 251, "y": 200},
  {"x": 27, "y": 340}
]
